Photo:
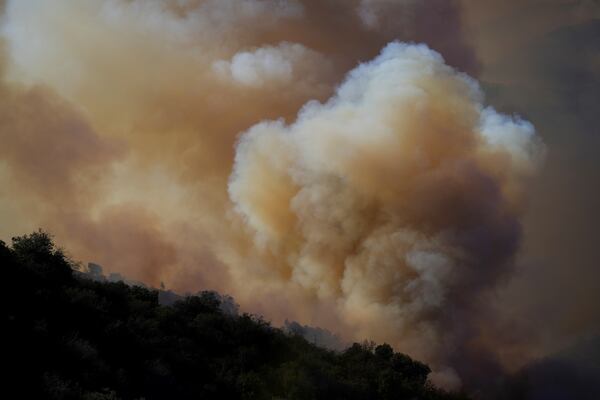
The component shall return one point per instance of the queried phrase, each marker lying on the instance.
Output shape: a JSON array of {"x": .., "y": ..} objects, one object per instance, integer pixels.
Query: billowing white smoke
[
  {"x": 398, "y": 199},
  {"x": 282, "y": 64}
]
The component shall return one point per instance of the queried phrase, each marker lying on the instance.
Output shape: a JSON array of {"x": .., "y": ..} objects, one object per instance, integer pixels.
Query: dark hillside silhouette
[{"x": 69, "y": 337}]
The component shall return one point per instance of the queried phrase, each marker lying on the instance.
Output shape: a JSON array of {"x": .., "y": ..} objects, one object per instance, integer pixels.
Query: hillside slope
[{"x": 76, "y": 338}]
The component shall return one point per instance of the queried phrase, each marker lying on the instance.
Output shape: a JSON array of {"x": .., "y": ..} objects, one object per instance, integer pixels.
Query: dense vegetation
[{"x": 76, "y": 338}]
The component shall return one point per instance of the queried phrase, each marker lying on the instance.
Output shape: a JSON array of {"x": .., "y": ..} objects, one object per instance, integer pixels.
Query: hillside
[{"x": 75, "y": 338}]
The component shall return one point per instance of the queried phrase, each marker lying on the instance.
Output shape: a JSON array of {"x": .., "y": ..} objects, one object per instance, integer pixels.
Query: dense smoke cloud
[
  {"x": 120, "y": 120},
  {"x": 174, "y": 83},
  {"x": 399, "y": 198}
]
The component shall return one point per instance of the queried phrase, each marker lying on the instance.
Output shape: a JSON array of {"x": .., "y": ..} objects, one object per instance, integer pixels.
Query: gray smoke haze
[
  {"x": 546, "y": 68},
  {"x": 320, "y": 337}
]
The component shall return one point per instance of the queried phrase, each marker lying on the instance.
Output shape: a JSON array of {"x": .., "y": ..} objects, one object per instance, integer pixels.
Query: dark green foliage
[{"x": 73, "y": 338}]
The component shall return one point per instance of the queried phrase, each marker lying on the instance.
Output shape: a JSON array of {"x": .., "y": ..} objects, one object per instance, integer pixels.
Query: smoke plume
[
  {"x": 224, "y": 145},
  {"x": 399, "y": 198}
]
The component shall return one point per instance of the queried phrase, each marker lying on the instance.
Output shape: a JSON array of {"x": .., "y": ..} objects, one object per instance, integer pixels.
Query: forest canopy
[{"x": 71, "y": 337}]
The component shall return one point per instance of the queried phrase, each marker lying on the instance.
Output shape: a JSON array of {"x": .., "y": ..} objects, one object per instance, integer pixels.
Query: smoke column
[
  {"x": 399, "y": 198},
  {"x": 163, "y": 140}
]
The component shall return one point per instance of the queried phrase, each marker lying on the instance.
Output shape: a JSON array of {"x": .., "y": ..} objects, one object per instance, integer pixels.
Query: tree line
[{"x": 69, "y": 337}]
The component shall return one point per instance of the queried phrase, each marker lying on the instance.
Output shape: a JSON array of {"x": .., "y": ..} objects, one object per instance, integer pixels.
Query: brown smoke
[
  {"x": 175, "y": 82},
  {"x": 398, "y": 198},
  {"x": 385, "y": 212}
]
